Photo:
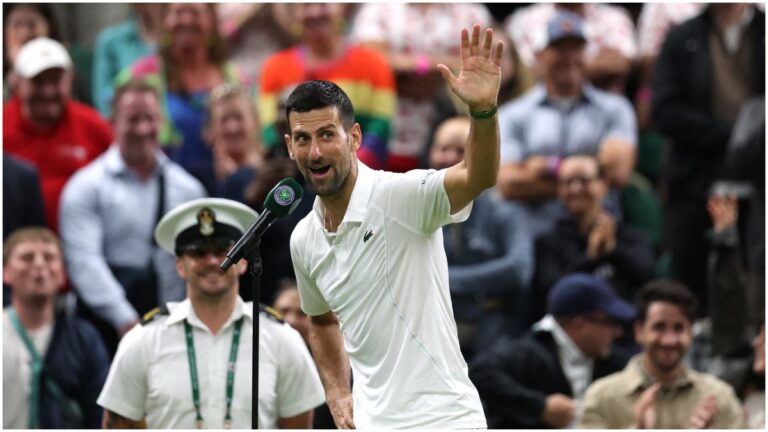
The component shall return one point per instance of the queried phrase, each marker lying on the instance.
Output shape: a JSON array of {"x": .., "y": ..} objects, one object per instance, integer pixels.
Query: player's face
[
  {"x": 34, "y": 269},
  {"x": 200, "y": 269},
  {"x": 323, "y": 150},
  {"x": 665, "y": 336}
]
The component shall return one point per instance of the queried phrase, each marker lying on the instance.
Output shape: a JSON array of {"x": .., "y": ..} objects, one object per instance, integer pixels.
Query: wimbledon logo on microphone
[{"x": 284, "y": 195}]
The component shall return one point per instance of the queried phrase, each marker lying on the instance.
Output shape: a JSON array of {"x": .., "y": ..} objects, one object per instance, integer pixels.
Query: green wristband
[{"x": 482, "y": 115}]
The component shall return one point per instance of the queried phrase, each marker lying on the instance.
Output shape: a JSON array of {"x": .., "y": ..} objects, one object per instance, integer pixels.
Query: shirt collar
[
  {"x": 358, "y": 201},
  {"x": 541, "y": 96},
  {"x": 181, "y": 311},
  {"x": 571, "y": 354},
  {"x": 116, "y": 164},
  {"x": 639, "y": 379}
]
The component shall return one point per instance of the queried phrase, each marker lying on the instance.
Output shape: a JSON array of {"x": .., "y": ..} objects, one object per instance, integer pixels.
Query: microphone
[{"x": 280, "y": 201}]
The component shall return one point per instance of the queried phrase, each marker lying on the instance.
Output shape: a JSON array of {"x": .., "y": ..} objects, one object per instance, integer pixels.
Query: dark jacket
[
  {"x": 515, "y": 376},
  {"x": 564, "y": 251},
  {"x": 77, "y": 360},
  {"x": 22, "y": 196},
  {"x": 681, "y": 84}
]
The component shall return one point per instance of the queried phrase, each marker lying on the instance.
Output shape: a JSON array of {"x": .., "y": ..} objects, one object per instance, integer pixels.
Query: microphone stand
[{"x": 253, "y": 256}]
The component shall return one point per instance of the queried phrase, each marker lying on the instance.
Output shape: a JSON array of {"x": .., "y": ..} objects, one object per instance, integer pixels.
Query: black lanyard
[{"x": 230, "y": 372}]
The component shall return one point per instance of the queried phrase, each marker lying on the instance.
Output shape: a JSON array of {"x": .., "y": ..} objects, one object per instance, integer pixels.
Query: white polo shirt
[{"x": 384, "y": 274}]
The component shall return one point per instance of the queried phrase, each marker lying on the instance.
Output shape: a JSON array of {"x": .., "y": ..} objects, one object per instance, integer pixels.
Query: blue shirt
[
  {"x": 117, "y": 47},
  {"x": 108, "y": 219},
  {"x": 535, "y": 125},
  {"x": 187, "y": 112}
]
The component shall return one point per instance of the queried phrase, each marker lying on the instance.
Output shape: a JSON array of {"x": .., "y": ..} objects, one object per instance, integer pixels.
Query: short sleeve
[
  {"x": 623, "y": 123},
  {"x": 125, "y": 391},
  {"x": 312, "y": 301},
  {"x": 510, "y": 147},
  {"x": 418, "y": 201},
  {"x": 298, "y": 384}
]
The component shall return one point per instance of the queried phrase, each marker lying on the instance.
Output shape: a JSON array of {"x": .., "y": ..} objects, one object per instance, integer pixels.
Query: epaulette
[
  {"x": 154, "y": 314},
  {"x": 270, "y": 313}
]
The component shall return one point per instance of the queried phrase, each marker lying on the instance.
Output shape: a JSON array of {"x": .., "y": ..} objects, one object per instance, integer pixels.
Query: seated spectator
[
  {"x": 232, "y": 133},
  {"x": 54, "y": 365},
  {"x": 191, "y": 60},
  {"x": 414, "y": 47},
  {"x": 490, "y": 255},
  {"x": 561, "y": 117},
  {"x": 119, "y": 46},
  {"x": 22, "y": 202},
  {"x": 697, "y": 96},
  {"x": 588, "y": 238},
  {"x": 43, "y": 126},
  {"x": 657, "y": 390},
  {"x": 611, "y": 48},
  {"x": 539, "y": 380},
  {"x": 108, "y": 213},
  {"x": 23, "y": 22},
  {"x": 324, "y": 54}
]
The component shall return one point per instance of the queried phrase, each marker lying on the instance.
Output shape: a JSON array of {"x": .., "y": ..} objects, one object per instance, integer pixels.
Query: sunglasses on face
[{"x": 201, "y": 250}]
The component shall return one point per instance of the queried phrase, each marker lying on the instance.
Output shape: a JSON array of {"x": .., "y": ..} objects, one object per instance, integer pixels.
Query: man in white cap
[
  {"x": 43, "y": 126},
  {"x": 188, "y": 365}
]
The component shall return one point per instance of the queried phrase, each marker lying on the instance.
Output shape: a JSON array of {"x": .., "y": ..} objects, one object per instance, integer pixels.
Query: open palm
[{"x": 480, "y": 78}]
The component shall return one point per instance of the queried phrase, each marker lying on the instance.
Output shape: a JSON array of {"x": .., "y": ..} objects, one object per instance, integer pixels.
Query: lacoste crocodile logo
[{"x": 367, "y": 235}]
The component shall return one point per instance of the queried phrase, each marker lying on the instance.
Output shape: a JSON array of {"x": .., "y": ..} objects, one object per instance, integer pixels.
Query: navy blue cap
[
  {"x": 564, "y": 25},
  {"x": 583, "y": 293}
]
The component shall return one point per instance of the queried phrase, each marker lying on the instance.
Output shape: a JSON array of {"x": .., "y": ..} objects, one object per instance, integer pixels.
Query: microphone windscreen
[{"x": 284, "y": 197}]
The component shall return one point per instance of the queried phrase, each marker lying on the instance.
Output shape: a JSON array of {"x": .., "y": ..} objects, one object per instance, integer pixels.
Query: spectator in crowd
[
  {"x": 539, "y": 380},
  {"x": 54, "y": 365},
  {"x": 324, "y": 54},
  {"x": 588, "y": 238},
  {"x": 490, "y": 255},
  {"x": 657, "y": 390},
  {"x": 119, "y": 46},
  {"x": 108, "y": 212},
  {"x": 23, "y": 22},
  {"x": 232, "y": 133},
  {"x": 145, "y": 379},
  {"x": 561, "y": 117},
  {"x": 22, "y": 202},
  {"x": 611, "y": 48},
  {"x": 708, "y": 68},
  {"x": 22, "y": 197},
  {"x": 412, "y": 36},
  {"x": 192, "y": 59},
  {"x": 653, "y": 24},
  {"x": 43, "y": 126},
  {"x": 255, "y": 31},
  {"x": 288, "y": 305}
]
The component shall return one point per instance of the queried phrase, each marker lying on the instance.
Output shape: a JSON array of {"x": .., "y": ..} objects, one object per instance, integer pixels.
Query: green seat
[
  {"x": 82, "y": 60},
  {"x": 642, "y": 207}
]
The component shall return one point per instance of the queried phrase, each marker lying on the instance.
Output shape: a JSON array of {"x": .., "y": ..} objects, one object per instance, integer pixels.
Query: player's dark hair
[{"x": 317, "y": 94}]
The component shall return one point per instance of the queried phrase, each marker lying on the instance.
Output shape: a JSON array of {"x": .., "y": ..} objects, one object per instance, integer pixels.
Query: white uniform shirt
[
  {"x": 17, "y": 371},
  {"x": 149, "y": 376},
  {"x": 288, "y": 380},
  {"x": 384, "y": 274}
]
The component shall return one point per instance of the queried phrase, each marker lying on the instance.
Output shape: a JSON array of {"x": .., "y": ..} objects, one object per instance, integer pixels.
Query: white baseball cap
[{"x": 41, "y": 54}]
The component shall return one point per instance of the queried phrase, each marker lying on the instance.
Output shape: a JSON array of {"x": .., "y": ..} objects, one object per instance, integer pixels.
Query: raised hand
[
  {"x": 480, "y": 78},
  {"x": 645, "y": 408},
  {"x": 724, "y": 211},
  {"x": 704, "y": 413}
]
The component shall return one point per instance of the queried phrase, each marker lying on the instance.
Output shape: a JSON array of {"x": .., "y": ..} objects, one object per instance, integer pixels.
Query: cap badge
[{"x": 205, "y": 219}]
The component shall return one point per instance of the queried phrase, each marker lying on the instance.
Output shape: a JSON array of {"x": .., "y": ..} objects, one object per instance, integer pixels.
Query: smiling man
[
  {"x": 657, "y": 390},
  {"x": 369, "y": 259}
]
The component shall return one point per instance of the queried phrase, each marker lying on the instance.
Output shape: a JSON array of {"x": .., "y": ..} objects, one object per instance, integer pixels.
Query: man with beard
[
  {"x": 42, "y": 126},
  {"x": 189, "y": 364},
  {"x": 369, "y": 259},
  {"x": 657, "y": 390}
]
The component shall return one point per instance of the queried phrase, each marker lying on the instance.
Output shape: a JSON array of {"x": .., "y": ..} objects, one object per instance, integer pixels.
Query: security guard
[{"x": 188, "y": 365}]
